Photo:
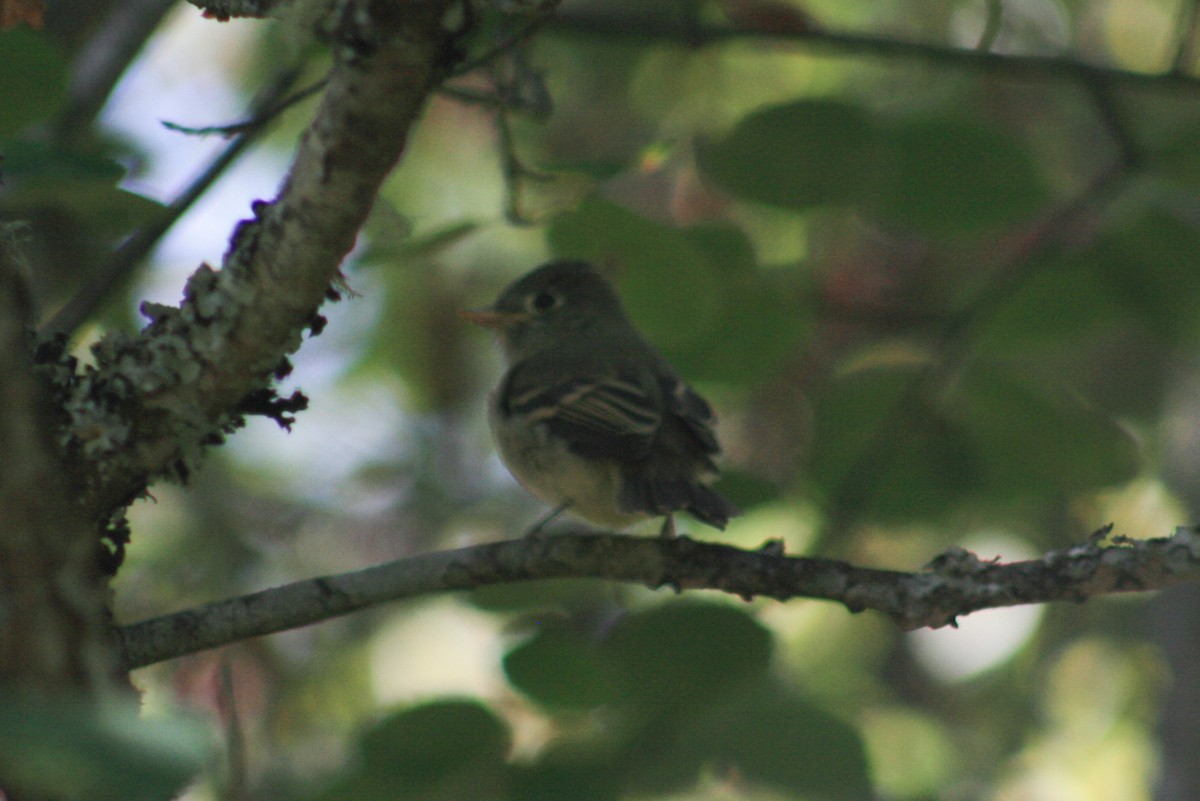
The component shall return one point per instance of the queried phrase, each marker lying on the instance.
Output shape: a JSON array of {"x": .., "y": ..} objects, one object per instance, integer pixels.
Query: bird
[{"x": 588, "y": 417}]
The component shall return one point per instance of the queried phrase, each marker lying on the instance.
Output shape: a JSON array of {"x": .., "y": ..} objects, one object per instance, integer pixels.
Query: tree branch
[
  {"x": 647, "y": 27},
  {"x": 151, "y": 402},
  {"x": 955, "y": 584}
]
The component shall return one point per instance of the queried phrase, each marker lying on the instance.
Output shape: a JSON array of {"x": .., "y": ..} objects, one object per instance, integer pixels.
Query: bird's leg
[
  {"x": 536, "y": 529},
  {"x": 668, "y": 527}
]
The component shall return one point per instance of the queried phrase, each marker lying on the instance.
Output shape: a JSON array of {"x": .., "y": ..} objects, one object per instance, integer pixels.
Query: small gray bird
[{"x": 589, "y": 418}]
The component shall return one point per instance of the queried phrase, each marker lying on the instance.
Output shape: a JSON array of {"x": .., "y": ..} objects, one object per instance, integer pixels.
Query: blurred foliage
[
  {"x": 933, "y": 304},
  {"x": 681, "y": 689},
  {"x": 60, "y": 747}
]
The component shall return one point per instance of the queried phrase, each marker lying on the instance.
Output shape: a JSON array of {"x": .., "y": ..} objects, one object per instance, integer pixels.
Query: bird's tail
[
  {"x": 664, "y": 496},
  {"x": 711, "y": 507}
]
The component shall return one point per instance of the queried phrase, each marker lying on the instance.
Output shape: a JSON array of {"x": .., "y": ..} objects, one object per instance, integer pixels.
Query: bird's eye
[{"x": 542, "y": 302}]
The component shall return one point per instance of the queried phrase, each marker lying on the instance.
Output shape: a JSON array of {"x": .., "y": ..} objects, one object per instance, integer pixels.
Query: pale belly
[{"x": 555, "y": 475}]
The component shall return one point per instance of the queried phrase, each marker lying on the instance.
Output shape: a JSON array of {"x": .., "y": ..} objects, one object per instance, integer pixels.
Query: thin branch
[
  {"x": 955, "y": 584},
  {"x": 540, "y": 15},
  {"x": 517, "y": 174},
  {"x": 645, "y": 27},
  {"x": 271, "y": 106}
]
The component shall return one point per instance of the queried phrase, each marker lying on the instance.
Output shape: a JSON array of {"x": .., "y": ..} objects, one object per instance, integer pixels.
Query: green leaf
[
  {"x": 1033, "y": 444},
  {"x": 686, "y": 653},
  {"x": 28, "y": 163},
  {"x": 668, "y": 281},
  {"x": 1064, "y": 300},
  {"x": 1176, "y": 157},
  {"x": 771, "y": 737},
  {"x": 427, "y": 742},
  {"x": 954, "y": 177},
  {"x": 761, "y": 319},
  {"x": 33, "y": 81},
  {"x": 38, "y": 175},
  {"x": 798, "y": 155},
  {"x": 561, "y": 668},
  {"x": 695, "y": 292},
  {"x": 883, "y": 451},
  {"x": 1150, "y": 269},
  {"x": 442, "y": 750},
  {"x": 77, "y": 748},
  {"x": 579, "y": 771}
]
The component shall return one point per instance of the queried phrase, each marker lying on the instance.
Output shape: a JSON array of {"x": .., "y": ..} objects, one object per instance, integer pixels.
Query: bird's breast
[{"x": 548, "y": 469}]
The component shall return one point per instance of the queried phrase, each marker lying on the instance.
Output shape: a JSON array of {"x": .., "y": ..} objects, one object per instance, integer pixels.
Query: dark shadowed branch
[
  {"x": 954, "y": 584},
  {"x": 49, "y": 594},
  {"x": 648, "y": 27},
  {"x": 103, "y": 60}
]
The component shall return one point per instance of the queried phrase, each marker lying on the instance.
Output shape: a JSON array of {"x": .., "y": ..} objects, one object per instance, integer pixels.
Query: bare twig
[
  {"x": 955, "y": 584},
  {"x": 516, "y": 173},
  {"x": 263, "y": 113},
  {"x": 540, "y": 15}
]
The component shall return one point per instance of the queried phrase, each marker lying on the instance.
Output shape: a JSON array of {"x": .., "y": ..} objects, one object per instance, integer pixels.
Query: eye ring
[{"x": 542, "y": 302}]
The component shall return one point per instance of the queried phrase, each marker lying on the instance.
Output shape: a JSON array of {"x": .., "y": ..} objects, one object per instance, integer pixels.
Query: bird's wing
[
  {"x": 695, "y": 413},
  {"x": 610, "y": 417}
]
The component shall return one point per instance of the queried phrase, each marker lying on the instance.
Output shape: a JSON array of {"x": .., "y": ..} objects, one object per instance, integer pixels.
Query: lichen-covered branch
[
  {"x": 953, "y": 585},
  {"x": 153, "y": 401}
]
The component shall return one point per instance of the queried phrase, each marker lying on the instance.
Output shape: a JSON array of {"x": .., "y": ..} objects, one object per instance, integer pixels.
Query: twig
[
  {"x": 955, "y": 584},
  {"x": 516, "y": 172},
  {"x": 540, "y": 16},
  {"x": 235, "y": 737},
  {"x": 257, "y": 119}
]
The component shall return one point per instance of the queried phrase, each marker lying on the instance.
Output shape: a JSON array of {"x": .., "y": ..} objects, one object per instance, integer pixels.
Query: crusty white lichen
[{"x": 162, "y": 378}]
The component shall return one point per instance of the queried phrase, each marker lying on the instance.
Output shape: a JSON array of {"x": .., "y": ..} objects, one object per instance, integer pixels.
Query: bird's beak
[{"x": 490, "y": 318}]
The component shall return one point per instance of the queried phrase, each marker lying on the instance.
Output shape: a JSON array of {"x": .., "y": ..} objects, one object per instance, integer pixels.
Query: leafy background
[{"x": 935, "y": 303}]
